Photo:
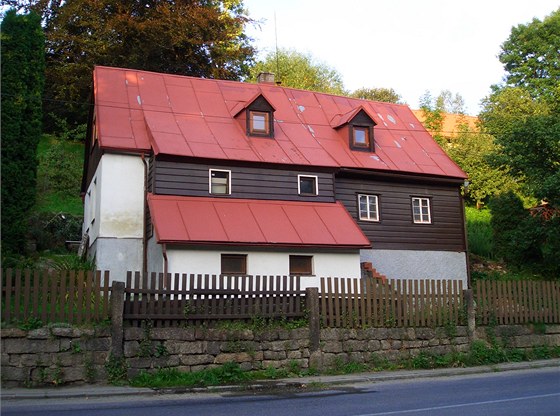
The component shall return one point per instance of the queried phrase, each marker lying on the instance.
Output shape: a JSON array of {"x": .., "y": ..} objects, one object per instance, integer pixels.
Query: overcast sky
[{"x": 408, "y": 45}]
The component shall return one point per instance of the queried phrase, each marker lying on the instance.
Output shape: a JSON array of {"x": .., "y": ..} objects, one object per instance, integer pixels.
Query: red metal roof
[
  {"x": 196, "y": 220},
  {"x": 186, "y": 116}
]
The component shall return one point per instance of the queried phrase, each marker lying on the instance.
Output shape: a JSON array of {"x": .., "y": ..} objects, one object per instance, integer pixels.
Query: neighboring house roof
[
  {"x": 201, "y": 220},
  {"x": 184, "y": 116},
  {"x": 451, "y": 123}
]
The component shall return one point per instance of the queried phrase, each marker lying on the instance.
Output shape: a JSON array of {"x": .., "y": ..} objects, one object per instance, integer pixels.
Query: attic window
[
  {"x": 360, "y": 138},
  {"x": 259, "y": 123}
]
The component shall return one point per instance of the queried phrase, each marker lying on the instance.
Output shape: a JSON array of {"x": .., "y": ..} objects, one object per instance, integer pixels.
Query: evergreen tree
[{"x": 23, "y": 67}]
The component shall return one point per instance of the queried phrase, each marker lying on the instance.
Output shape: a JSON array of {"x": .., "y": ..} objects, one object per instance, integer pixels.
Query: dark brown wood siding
[
  {"x": 396, "y": 229},
  {"x": 191, "y": 179}
]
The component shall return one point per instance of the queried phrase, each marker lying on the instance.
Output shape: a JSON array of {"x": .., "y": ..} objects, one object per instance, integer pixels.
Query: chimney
[{"x": 265, "y": 78}]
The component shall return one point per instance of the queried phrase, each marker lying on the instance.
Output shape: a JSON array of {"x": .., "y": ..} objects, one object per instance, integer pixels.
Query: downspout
[
  {"x": 165, "y": 261},
  {"x": 144, "y": 219}
]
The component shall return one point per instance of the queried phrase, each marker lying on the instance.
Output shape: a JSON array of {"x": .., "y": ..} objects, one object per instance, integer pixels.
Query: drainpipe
[
  {"x": 165, "y": 261},
  {"x": 144, "y": 231}
]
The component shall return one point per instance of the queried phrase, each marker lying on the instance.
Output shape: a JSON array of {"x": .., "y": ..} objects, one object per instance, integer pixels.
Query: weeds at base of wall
[{"x": 117, "y": 370}]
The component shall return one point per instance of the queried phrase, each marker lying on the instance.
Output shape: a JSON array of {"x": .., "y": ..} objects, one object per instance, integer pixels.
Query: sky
[{"x": 412, "y": 46}]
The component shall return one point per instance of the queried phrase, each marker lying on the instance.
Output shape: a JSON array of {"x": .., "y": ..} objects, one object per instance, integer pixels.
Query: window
[
  {"x": 234, "y": 264},
  {"x": 259, "y": 123},
  {"x": 361, "y": 138},
  {"x": 220, "y": 182},
  {"x": 301, "y": 265},
  {"x": 368, "y": 207},
  {"x": 421, "y": 211},
  {"x": 307, "y": 185}
]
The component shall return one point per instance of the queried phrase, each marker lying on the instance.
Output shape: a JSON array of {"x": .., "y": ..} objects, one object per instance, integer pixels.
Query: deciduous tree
[
  {"x": 387, "y": 95},
  {"x": 298, "y": 70}
]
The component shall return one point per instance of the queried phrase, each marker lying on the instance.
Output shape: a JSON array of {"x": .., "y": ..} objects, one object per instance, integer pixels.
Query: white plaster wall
[
  {"x": 265, "y": 263},
  {"x": 121, "y": 196},
  {"x": 155, "y": 256},
  {"x": 416, "y": 264},
  {"x": 113, "y": 214}
]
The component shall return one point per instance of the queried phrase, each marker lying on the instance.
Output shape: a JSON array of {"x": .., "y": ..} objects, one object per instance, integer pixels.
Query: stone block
[
  {"x": 4, "y": 359},
  {"x": 462, "y": 331},
  {"x": 185, "y": 347},
  {"x": 73, "y": 374},
  {"x": 460, "y": 340},
  {"x": 294, "y": 355},
  {"x": 14, "y": 374},
  {"x": 433, "y": 342},
  {"x": 354, "y": 345},
  {"x": 139, "y": 362},
  {"x": 374, "y": 345},
  {"x": 380, "y": 333},
  {"x": 386, "y": 345},
  {"x": 274, "y": 355},
  {"x": 330, "y": 334},
  {"x": 213, "y": 347},
  {"x": 397, "y": 333},
  {"x": 63, "y": 332},
  {"x": 425, "y": 333},
  {"x": 332, "y": 347},
  {"x": 97, "y": 344},
  {"x": 198, "y": 359},
  {"x": 552, "y": 329},
  {"x": 270, "y": 335},
  {"x": 134, "y": 334},
  {"x": 232, "y": 357},
  {"x": 179, "y": 334},
  {"x": 299, "y": 334},
  {"x": 30, "y": 346},
  {"x": 39, "y": 333},
  {"x": 316, "y": 360},
  {"x": 12, "y": 333},
  {"x": 283, "y": 334},
  {"x": 131, "y": 348}
]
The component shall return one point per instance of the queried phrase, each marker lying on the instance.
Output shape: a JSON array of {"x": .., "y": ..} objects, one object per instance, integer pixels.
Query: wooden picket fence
[
  {"x": 170, "y": 300},
  {"x": 357, "y": 303},
  {"x": 517, "y": 301},
  {"x": 73, "y": 297}
]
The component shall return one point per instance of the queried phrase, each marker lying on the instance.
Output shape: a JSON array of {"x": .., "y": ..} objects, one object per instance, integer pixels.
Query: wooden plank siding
[
  {"x": 191, "y": 179},
  {"x": 395, "y": 228}
]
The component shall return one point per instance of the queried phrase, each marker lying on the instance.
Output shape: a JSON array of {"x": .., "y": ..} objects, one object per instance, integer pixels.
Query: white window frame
[
  {"x": 315, "y": 178},
  {"x": 210, "y": 171},
  {"x": 367, "y": 216},
  {"x": 421, "y": 217}
]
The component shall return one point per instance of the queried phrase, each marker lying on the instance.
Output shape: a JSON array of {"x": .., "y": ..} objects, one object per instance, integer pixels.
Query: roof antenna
[{"x": 277, "y": 60}]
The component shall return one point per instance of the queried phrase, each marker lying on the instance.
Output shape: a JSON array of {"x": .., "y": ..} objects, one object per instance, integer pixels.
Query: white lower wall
[
  {"x": 265, "y": 263},
  {"x": 118, "y": 255},
  {"x": 416, "y": 264}
]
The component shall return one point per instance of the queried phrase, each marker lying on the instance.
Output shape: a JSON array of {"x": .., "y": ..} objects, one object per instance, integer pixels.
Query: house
[
  {"x": 190, "y": 175},
  {"x": 451, "y": 123}
]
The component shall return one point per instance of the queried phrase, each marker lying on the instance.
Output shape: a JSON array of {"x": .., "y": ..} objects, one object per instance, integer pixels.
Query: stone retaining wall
[{"x": 56, "y": 355}]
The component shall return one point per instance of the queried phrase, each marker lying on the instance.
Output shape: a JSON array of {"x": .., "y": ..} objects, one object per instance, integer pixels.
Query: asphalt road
[{"x": 524, "y": 392}]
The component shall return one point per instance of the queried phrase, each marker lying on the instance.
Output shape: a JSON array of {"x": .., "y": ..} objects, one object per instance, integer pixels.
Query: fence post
[
  {"x": 117, "y": 311},
  {"x": 312, "y": 304},
  {"x": 468, "y": 295}
]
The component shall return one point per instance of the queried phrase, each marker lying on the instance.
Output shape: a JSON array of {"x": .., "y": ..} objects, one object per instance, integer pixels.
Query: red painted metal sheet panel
[
  {"x": 184, "y": 220},
  {"x": 203, "y": 110}
]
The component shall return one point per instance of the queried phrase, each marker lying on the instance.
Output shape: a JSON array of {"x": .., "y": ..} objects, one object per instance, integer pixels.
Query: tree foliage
[
  {"x": 23, "y": 63},
  {"x": 387, "y": 95},
  {"x": 473, "y": 152},
  {"x": 298, "y": 70},
  {"x": 531, "y": 56},
  {"x": 203, "y": 38},
  {"x": 524, "y": 113}
]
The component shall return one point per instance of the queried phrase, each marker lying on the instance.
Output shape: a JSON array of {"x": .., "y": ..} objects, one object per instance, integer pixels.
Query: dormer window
[
  {"x": 259, "y": 123},
  {"x": 260, "y": 117},
  {"x": 361, "y": 137}
]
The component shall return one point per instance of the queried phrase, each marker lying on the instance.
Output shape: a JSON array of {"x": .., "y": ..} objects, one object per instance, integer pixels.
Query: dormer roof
[{"x": 140, "y": 111}]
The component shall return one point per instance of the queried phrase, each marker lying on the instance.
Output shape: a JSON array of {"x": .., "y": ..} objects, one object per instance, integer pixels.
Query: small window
[
  {"x": 307, "y": 185},
  {"x": 368, "y": 207},
  {"x": 421, "y": 211},
  {"x": 259, "y": 123},
  {"x": 301, "y": 265},
  {"x": 234, "y": 264},
  {"x": 220, "y": 183},
  {"x": 361, "y": 138}
]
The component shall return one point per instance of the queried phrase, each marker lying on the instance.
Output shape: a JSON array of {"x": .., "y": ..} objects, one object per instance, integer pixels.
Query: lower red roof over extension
[{"x": 216, "y": 221}]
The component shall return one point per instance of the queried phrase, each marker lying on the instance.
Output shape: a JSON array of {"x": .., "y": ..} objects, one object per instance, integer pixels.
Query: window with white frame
[
  {"x": 368, "y": 207},
  {"x": 220, "y": 181},
  {"x": 421, "y": 210},
  {"x": 307, "y": 185}
]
